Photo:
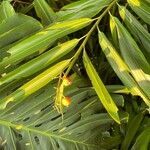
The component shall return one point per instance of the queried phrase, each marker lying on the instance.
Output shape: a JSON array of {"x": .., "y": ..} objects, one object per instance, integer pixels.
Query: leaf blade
[
  {"x": 100, "y": 89},
  {"x": 34, "y": 84},
  {"x": 40, "y": 62},
  {"x": 6, "y": 10},
  {"x": 45, "y": 12},
  {"x": 133, "y": 56},
  {"x": 120, "y": 67},
  {"x": 42, "y": 40}
]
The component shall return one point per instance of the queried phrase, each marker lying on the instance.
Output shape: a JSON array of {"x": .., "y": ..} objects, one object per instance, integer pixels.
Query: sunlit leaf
[
  {"x": 42, "y": 40},
  {"x": 100, "y": 89},
  {"x": 137, "y": 30},
  {"x": 120, "y": 67},
  {"x": 35, "y": 84},
  {"x": 133, "y": 56},
  {"x": 141, "y": 8},
  {"x": 40, "y": 62}
]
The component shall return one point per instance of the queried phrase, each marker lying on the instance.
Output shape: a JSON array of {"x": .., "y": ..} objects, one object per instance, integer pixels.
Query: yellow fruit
[
  {"x": 66, "y": 81},
  {"x": 66, "y": 101}
]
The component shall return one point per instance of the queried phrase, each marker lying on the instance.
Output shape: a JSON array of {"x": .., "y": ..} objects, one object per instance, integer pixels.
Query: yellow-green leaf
[
  {"x": 40, "y": 62},
  {"x": 100, "y": 89},
  {"x": 42, "y": 40},
  {"x": 133, "y": 56},
  {"x": 137, "y": 30},
  {"x": 141, "y": 8},
  {"x": 45, "y": 12},
  {"x": 35, "y": 84},
  {"x": 120, "y": 68},
  {"x": 6, "y": 10}
]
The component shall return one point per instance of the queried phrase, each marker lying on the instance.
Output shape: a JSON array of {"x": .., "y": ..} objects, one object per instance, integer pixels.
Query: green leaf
[
  {"x": 41, "y": 127},
  {"x": 45, "y": 12},
  {"x": 6, "y": 11},
  {"x": 40, "y": 62},
  {"x": 117, "y": 89},
  {"x": 42, "y": 40},
  {"x": 142, "y": 141},
  {"x": 141, "y": 8},
  {"x": 17, "y": 27},
  {"x": 35, "y": 84},
  {"x": 131, "y": 131},
  {"x": 100, "y": 89},
  {"x": 120, "y": 67},
  {"x": 133, "y": 56},
  {"x": 109, "y": 142},
  {"x": 138, "y": 31},
  {"x": 82, "y": 8}
]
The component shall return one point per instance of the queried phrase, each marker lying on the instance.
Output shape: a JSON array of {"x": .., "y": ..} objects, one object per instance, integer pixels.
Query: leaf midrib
[{"x": 9, "y": 124}]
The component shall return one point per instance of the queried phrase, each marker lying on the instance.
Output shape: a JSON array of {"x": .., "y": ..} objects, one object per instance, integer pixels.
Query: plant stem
[{"x": 75, "y": 57}]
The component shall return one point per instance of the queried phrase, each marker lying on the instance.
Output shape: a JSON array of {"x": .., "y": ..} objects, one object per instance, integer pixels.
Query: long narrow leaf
[
  {"x": 45, "y": 12},
  {"x": 100, "y": 89},
  {"x": 133, "y": 56},
  {"x": 141, "y": 8},
  {"x": 17, "y": 27},
  {"x": 137, "y": 30},
  {"x": 42, "y": 40},
  {"x": 35, "y": 84},
  {"x": 6, "y": 10},
  {"x": 120, "y": 67},
  {"x": 131, "y": 131},
  {"x": 142, "y": 141},
  {"x": 40, "y": 62}
]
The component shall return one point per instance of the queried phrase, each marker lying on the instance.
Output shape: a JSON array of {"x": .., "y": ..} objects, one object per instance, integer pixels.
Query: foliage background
[{"x": 103, "y": 46}]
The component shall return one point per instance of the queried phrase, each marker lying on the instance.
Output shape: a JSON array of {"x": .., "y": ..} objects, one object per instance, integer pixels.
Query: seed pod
[
  {"x": 66, "y": 81},
  {"x": 66, "y": 101}
]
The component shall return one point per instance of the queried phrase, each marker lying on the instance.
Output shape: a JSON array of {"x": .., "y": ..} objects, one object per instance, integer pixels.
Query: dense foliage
[{"x": 74, "y": 75}]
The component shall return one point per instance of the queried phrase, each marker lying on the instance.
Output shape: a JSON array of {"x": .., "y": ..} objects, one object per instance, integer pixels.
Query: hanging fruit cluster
[{"x": 60, "y": 99}]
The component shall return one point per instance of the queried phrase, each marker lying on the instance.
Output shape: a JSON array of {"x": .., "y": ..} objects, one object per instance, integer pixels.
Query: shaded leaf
[
  {"x": 45, "y": 12},
  {"x": 131, "y": 131},
  {"x": 142, "y": 141},
  {"x": 35, "y": 124},
  {"x": 17, "y": 27}
]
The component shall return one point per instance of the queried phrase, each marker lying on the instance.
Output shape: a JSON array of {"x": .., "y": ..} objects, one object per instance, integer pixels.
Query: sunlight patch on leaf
[{"x": 72, "y": 24}]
